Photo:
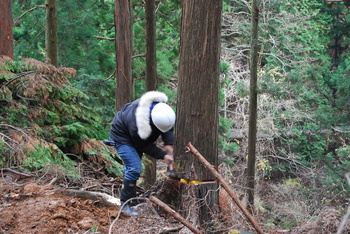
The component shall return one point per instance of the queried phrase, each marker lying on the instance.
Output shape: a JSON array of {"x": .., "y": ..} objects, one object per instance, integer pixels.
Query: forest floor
[
  {"x": 44, "y": 205},
  {"x": 41, "y": 204}
]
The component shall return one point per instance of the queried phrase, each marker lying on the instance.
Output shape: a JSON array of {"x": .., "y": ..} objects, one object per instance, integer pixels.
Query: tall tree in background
[
  {"x": 151, "y": 78},
  {"x": 123, "y": 42},
  {"x": 197, "y": 104},
  {"x": 6, "y": 39},
  {"x": 253, "y": 99},
  {"x": 151, "y": 57},
  {"x": 51, "y": 32}
]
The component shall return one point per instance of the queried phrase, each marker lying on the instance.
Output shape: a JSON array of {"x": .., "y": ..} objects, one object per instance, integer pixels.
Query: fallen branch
[
  {"x": 347, "y": 215},
  {"x": 105, "y": 38},
  {"x": 174, "y": 214},
  {"x": 121, "y": 209},
  {"x": 175, "y": 229},
  {"x": 225, "y": 185},
  {"x": 15, "y": 172},
  {"x": 18, "y": 77},
  {"x": 102, "y": 198}
]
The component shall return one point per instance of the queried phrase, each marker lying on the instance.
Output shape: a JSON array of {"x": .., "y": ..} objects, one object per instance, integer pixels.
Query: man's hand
[
  {"x": 171, "y": 173},
  {"x": 169, "y": 149},
  {"x": 169, "y": 159}
]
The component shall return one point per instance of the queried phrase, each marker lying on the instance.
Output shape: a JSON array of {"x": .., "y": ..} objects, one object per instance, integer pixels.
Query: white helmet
[{"x": 163, "y": 117}]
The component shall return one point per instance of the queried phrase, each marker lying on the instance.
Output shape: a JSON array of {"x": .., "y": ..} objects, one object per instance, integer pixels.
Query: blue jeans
[{"x": 132, "y": 161}]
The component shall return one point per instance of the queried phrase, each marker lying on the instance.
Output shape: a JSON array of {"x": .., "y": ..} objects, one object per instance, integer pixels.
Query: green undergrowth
[{"x": 43, "y": 120}]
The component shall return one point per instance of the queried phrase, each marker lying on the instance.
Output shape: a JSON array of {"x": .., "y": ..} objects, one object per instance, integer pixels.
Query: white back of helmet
[{"x": 163, "y": 117}]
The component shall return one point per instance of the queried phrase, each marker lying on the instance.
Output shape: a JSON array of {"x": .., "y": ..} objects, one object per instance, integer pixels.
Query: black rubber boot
[
  {"x": 128, "y": 191},
  {"x": 135, "y": 202}
]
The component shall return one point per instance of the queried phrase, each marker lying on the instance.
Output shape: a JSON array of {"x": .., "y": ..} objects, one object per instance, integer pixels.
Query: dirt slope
[{"x": 27, "y": 207}]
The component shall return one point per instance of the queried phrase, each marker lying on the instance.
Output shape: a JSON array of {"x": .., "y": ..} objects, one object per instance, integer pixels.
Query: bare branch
[
  {"x": 15, "y": 172},
  {"x": 112, "y": 75},
  {"x": 347, "y": 215},
  {"x": 225, "y": 185},
  {"x": 174, "y": 214},
  {"x": 24, "y": 13},
  {"x": 138, "y": 55},
  {"x": 105, "y": 38},
  {"x": 17, "y": 77}
]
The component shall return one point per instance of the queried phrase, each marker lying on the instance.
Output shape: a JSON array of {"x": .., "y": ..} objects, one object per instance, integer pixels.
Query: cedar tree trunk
[
  {"x": 123, "y": 40},
  {"x": 197, "y": 104},
  {"x": 151, "y": 79},
  {"x": 253, "y": 97},
  {"x": 51, "y": 32},
  {"x": 6, "y": 39}
]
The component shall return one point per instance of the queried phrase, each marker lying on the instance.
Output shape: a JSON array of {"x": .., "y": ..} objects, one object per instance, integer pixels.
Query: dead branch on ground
[
  {"x": 173, "y": 213},
  {"x": 15, "y": 172},
  {"x": 225, "y": 185},
  {"x": 347, "y": 215},
  {"x": 102, "y": 198}
]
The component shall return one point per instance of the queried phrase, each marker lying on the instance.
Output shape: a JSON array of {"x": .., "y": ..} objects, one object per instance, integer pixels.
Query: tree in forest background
[
  {"x": 6, "y": 38},
  {"x": 51, "y": 39},
  {"x": 123, "y": 48},
  {"x": 87, "y": 42},
  {"x": 297, "y": 124},
  {"x": 151, "y": 79}
]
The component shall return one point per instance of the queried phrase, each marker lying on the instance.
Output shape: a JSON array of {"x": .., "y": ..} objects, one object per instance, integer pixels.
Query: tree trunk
[
  {"x": 51, "y": 32},
  {"x": 151, "y": 57},
  {"x": 253, "y": 97},
  {"x": 123, "y": 40},
  {"x": 197, "y": 104},
  {"x": 6, "y": 39},
  {"x": 151, "y": 79}
]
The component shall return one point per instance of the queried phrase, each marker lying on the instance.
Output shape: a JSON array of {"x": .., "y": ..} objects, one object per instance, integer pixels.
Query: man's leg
[{"x": 132, "y": 170}]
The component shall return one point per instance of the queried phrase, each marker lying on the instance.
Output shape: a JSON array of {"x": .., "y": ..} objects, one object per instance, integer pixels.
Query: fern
[{"x": 45, "y": 116}]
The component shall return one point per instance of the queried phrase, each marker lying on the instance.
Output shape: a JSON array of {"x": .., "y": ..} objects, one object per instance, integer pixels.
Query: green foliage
[
  {"x": 101, "y": 97},
  {"x": 94, "y": 228},
  {"x": 114, "y": 167},
  {"x": 225, "y": 145},
  {"x": 11, "y": 66},
  {"x": 46, "y": 115},
  {"x": 168, "y": 42},
  {"x": 297, "y": 68},
  {"x": 338, "y": 164},
  {"x": 242, "y": 89},
  {"x": 224, "y": 68},
  {"x": 80, "y": 25},
  {"x": 307, "y": 89},
  {"x": 43, "y": 155},
  {"x": 4, "y": 150}
]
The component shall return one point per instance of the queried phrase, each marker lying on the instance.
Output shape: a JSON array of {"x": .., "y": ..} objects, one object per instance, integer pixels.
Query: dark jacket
[{"x": 132, "y": 126}]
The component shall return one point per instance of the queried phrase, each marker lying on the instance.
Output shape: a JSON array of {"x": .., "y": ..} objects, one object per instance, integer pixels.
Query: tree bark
[
  {"x": 150, "y": 171},
  {"x": 197, "y": 104},
  {"x": 253, "y": 97},
  {"x": 6, "y": 38},
  {"x": 151, "y": 56},
  {"x": 51, "y": 33},
  {"x": 151, "y": 79},
  {"x": 123, "y": 40}
]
